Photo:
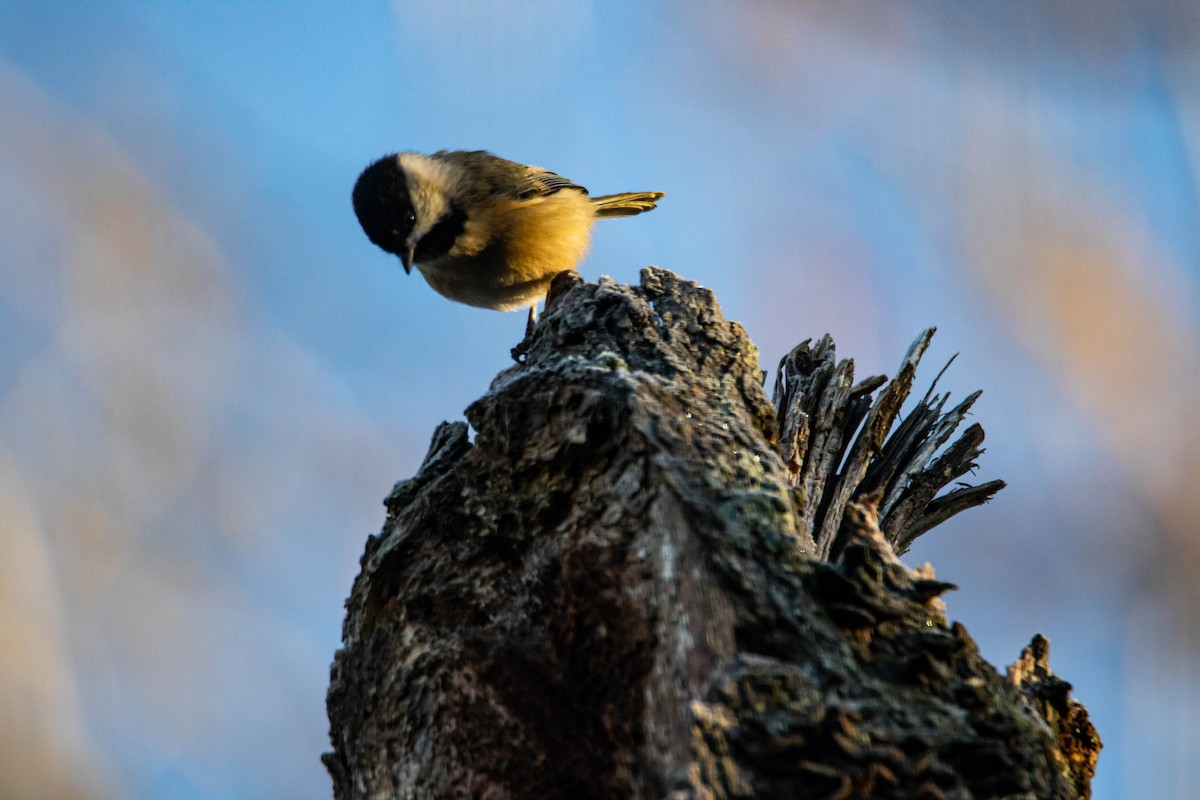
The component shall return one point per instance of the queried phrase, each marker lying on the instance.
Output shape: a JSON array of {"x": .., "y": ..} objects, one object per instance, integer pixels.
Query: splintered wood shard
[{"x": 835, "y": 442}]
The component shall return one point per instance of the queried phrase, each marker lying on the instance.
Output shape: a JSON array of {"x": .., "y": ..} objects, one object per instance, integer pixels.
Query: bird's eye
[{"x": 410, "y": 218}]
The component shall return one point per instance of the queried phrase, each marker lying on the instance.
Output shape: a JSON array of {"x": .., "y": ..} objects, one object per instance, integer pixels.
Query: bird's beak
[{"x": 406, "y": 258}]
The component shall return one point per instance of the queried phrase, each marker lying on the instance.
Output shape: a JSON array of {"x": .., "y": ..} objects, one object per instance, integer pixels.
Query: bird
[{"x": 481, "y": 229}]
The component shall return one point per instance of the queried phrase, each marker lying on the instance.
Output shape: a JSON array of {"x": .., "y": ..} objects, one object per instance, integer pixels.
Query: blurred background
[{"x": 209, "y": 379}]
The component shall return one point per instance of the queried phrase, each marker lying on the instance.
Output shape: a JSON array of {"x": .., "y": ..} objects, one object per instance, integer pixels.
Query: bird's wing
[
  {"x": 499, "y": 176},
  {"x": 543, "y": 182}
]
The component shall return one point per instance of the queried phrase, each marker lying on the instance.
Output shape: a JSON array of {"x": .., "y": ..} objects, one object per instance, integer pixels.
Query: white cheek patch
[{"x": 429, "y": 182}]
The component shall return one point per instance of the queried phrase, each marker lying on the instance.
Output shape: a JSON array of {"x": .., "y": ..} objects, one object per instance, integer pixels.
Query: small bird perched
[{"x": 483, "y": 230}]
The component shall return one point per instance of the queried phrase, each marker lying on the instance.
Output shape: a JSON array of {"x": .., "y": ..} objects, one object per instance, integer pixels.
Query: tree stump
[{"x": 643, "y": 579}]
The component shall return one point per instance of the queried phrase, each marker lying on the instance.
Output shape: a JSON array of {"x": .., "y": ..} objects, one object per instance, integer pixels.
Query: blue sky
[{"x": 209, "y": 379}]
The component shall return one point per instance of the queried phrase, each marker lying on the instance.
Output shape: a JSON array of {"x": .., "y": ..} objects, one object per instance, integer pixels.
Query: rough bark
[{"x": 643, "y": 580}]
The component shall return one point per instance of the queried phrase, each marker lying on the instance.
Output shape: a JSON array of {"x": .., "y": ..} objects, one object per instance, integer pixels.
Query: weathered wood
[
  {"x": 902, "y": 465},
  {"x": 613, "y": 591}
]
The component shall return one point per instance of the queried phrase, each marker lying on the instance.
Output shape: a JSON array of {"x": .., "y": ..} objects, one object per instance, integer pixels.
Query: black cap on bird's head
[{"x": 384, "y": 208}]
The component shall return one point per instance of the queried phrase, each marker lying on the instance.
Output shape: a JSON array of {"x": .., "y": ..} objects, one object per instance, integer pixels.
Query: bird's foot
[{"x": 518, "y": 352}]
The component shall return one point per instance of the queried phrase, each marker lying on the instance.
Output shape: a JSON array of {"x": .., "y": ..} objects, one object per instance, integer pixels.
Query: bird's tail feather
[{"x": 625, "y": 204}]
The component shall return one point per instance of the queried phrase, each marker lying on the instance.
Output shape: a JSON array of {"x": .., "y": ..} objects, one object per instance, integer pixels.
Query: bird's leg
[
  {"x": 531, "y": 321},
  {"x": 518, "y": 352}
]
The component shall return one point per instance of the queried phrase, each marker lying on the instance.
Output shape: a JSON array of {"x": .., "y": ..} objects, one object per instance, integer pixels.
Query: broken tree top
[{"x": 645, "y": 579}]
